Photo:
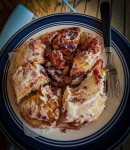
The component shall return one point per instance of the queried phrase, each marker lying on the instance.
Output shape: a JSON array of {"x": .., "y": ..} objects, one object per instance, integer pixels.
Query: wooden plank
[
  {"x": 81, "y": 6},
  {"x": 118, "y": 148},
  {"x": 13, "y": 2},
  {"x": 118, "y": 15},
  {"x": 91, "y": 8},
  {"x": 99, "y": 3},
  {"x": 58, "y": 7},
  {"x": 23, "y": 2},
  {"x": 51, "y": 4},
  {"x": 4, "y": 5},
  {"x": 126, "y": 145},
  {"x": 8, "y": 5},
  {"x": 39, "y": 12},
  {"x": 127, "y": 20},
  {"x": 4, "y": 143},
  {"x": 61, "y": 7},
  {"x": 31, "y": 8},
  {"x": 65, "y": 8},
  {"x": 42, "y": 4}
]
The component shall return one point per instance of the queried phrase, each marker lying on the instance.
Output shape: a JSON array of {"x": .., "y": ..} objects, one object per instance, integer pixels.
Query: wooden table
[{"x": 120, "y": 20}]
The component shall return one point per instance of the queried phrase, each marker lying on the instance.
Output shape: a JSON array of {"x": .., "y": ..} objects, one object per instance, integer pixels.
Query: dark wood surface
[
  {"x": 4, "y": 143},
  {"x": 120, "y": 20},
  {"x": 120, "y": 10}
]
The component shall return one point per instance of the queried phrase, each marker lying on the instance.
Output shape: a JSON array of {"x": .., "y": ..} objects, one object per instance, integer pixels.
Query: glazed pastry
[
  {"x": 88, "y": 52},
  {"x": 86, "y": 102},
  {"x": 30, "y": 52},
  {"x": 26, "y": 79},
  {"x": 43, "y": 110},
  {"x": 59, "y": 79}
]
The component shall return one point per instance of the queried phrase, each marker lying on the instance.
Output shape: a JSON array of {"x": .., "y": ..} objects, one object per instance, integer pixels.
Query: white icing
[
  {"x": 46, "y": 90},
  {"x": 85, "y": 63},
  {"x": 44, "y": 99},
  {"x": 88, "y": 110},
  {"x": 89, "y": 103}
]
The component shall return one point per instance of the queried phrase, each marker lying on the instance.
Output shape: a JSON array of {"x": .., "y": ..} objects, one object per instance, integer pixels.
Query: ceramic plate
[{"x": 108, "y": 131}]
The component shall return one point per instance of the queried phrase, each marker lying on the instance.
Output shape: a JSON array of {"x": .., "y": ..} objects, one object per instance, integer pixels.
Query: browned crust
[
  {"x": 38, "y": 123},
  {"x": 35, "y": 123}
]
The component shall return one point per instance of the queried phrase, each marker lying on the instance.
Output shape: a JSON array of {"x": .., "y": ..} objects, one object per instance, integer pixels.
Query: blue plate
[{"x": 107, "y": 132}]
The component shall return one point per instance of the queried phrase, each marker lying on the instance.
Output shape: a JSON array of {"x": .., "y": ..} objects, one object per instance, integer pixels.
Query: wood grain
[
  {"x": 118, "y": 15},
  {"x": 92, "y": 8},
  {"x": 126, "y": 145},
  {"x": 58, "y": 7},
  {"x": 81, "y": 8},
  {"x": 4, "y": 143},
  {"x": 127, "y": 19}
]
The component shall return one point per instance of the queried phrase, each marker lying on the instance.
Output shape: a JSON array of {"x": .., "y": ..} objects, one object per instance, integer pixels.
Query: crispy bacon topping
[
  {"x": 97, "y": 70},
  {"x": 67, "y": 39},
  {"x": 57, "y": 59},
  {"x": 48, "y": 37},
  {"x": 90, "y": 42},
  {"x": 77, "y": 75},
  {"x": 34, "y": 44}
]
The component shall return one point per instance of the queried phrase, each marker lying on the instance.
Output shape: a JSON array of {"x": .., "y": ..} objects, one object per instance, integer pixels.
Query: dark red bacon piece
[
  {"x": 97, "y": 70},
  {"x": 67, "y": 39}
]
